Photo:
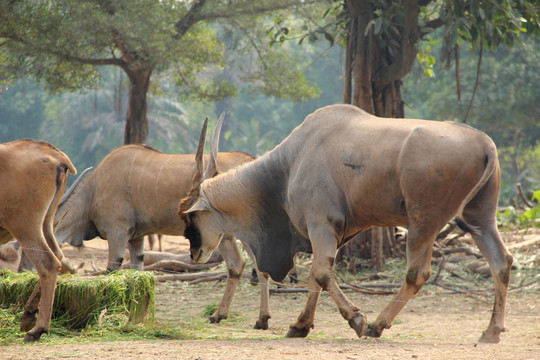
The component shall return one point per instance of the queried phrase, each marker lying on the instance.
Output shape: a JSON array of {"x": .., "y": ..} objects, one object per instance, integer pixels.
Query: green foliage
[
  {"x": 426, "y": 61},
  {"x": 493, "y": 23},
  {"x": 306, "y": 28},
  {"x": 506, "y": 106},
  {"x": 519, "y": 164},
  {"x": 512, "y": 217},
  {"x": 53, "y": 42},
  {"x": 61, "y": 43},
  {"x": 256, "y": 123}
]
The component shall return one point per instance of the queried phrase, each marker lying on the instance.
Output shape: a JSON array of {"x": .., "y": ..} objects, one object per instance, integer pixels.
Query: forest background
[{"x": 88, "y": 121}]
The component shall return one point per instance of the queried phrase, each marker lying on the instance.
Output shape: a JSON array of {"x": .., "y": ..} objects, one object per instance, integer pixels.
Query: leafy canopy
[{"x": 61, "y": 43}]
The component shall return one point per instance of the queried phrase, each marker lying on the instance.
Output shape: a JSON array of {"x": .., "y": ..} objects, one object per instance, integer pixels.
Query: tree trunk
[
  {"x": 388, "y": 102},
  {"x": 136, "y": 130},
  {"x": 118, "y": 95},
  {"x": 360, "y": 55},
  {"x": 372, "y": 82}
]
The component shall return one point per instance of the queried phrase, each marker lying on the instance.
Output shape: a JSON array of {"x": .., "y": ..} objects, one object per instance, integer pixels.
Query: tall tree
[
  {"x": 63, "y": 42},
  {"x": 383, "y": 40}
]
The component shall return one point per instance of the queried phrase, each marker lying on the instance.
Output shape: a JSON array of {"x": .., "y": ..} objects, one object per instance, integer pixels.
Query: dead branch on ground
[
  {"x": 179, "y": 266},
  {"x": 189, "y": 276}
]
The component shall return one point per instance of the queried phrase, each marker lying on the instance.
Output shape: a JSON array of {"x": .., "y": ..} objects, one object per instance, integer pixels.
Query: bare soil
[{"x": 434, "y": 325}]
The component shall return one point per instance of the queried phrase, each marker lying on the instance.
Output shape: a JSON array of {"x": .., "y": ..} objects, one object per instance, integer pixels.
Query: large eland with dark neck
[{"x": 343, "y": 171}]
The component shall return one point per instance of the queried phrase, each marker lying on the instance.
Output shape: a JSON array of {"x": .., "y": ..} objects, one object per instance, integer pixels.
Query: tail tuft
[{"x": 473, "y": 230}]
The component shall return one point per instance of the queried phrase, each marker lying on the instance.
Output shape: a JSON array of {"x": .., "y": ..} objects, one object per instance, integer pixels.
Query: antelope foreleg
[
  {"x": 324, "y": 243},
  {"x": 235, "y": 265},
  {"x": 264, "y": 309},
  {"x": 136, "y": 253},
  {"x": 418, "y": 272},
  {"x": 305, "y": 321}
]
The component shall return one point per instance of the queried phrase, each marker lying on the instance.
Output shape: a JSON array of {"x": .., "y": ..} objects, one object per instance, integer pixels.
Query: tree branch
[
  {"x": 523, "y": 197},
  {"x": 432, "y": 24},
  {"x": 195, "y": 15},
  {"x": 189, "y": 19},
  {"x": 476, "y": 82},
  {"x": 424, "y": 2},
  {"x": 252, "y": 41},
  {"x": 107, "y": 61},
  {"x": 10, "y": 36},
  {"x": 99, "y": 62},
  {"x": 246, "y": 11},
  {"x": 458, "y": 72}
]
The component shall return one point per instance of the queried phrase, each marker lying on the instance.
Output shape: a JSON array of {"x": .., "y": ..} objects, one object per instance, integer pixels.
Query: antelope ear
[{"x": 199, "y": 205}]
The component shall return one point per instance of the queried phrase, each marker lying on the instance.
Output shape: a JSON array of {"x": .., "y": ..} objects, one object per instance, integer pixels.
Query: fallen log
[
  {"x": 479, "y": 267},
  {"x": 446, "y": 231},
  {"x": 524, "y": 244},
  {"x": 179, "y": 266},
  {"x": 362, "y": 289},
  {"x": 189, "y": 277},
  {"x": 165, "y": 261},
  {"x": 287, "y": 290},
  {"x": 208, "y": 279},
  {"x": 152, "y": 257},
  {"x": 461, "y": 249}
]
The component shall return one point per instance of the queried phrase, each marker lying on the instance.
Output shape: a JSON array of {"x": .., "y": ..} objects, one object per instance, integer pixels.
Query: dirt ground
[{"x": 434, "y": 325}]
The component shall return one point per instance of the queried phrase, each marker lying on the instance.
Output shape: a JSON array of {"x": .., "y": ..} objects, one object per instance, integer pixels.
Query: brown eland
[
  {"x": 33, "y": 177},
  {"x": 134, "y": 192},
  {"x": 343, "y": 171}
]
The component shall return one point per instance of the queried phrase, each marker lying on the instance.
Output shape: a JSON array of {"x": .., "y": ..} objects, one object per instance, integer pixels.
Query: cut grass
[{"x": 117, "y": 302}]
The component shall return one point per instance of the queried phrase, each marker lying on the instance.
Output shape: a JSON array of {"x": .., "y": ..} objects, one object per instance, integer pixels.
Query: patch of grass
[
  {"x": 115, "y": 299},
  {"x": 108, "y": 305},
  {"x": 10, "y": 334},
  {"x": 209, "y": 310},
  {"x": 9, "y": 327}
]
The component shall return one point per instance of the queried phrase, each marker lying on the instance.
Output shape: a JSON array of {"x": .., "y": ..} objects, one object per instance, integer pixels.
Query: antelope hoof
[
  {"x": 293, "y": 278},
  {"x": 373, "y": 331},
  {"x": 33, "y": 336},
  {"x": 491, "y": 337},
  {"x": 262, "y": 324},
  {"x": 359, "y": 324},
  {"x": 28, "y": 321},
  {"x": 296, "y": 332},
  {"x": 254, "y": 279}
]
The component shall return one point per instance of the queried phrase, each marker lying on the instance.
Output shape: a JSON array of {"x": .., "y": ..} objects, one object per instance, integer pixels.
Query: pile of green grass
[{"x": 117, "y": 298}]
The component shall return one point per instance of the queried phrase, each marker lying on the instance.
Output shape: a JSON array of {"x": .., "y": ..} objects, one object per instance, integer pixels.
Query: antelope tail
[{"x": 491, "y": 165}]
